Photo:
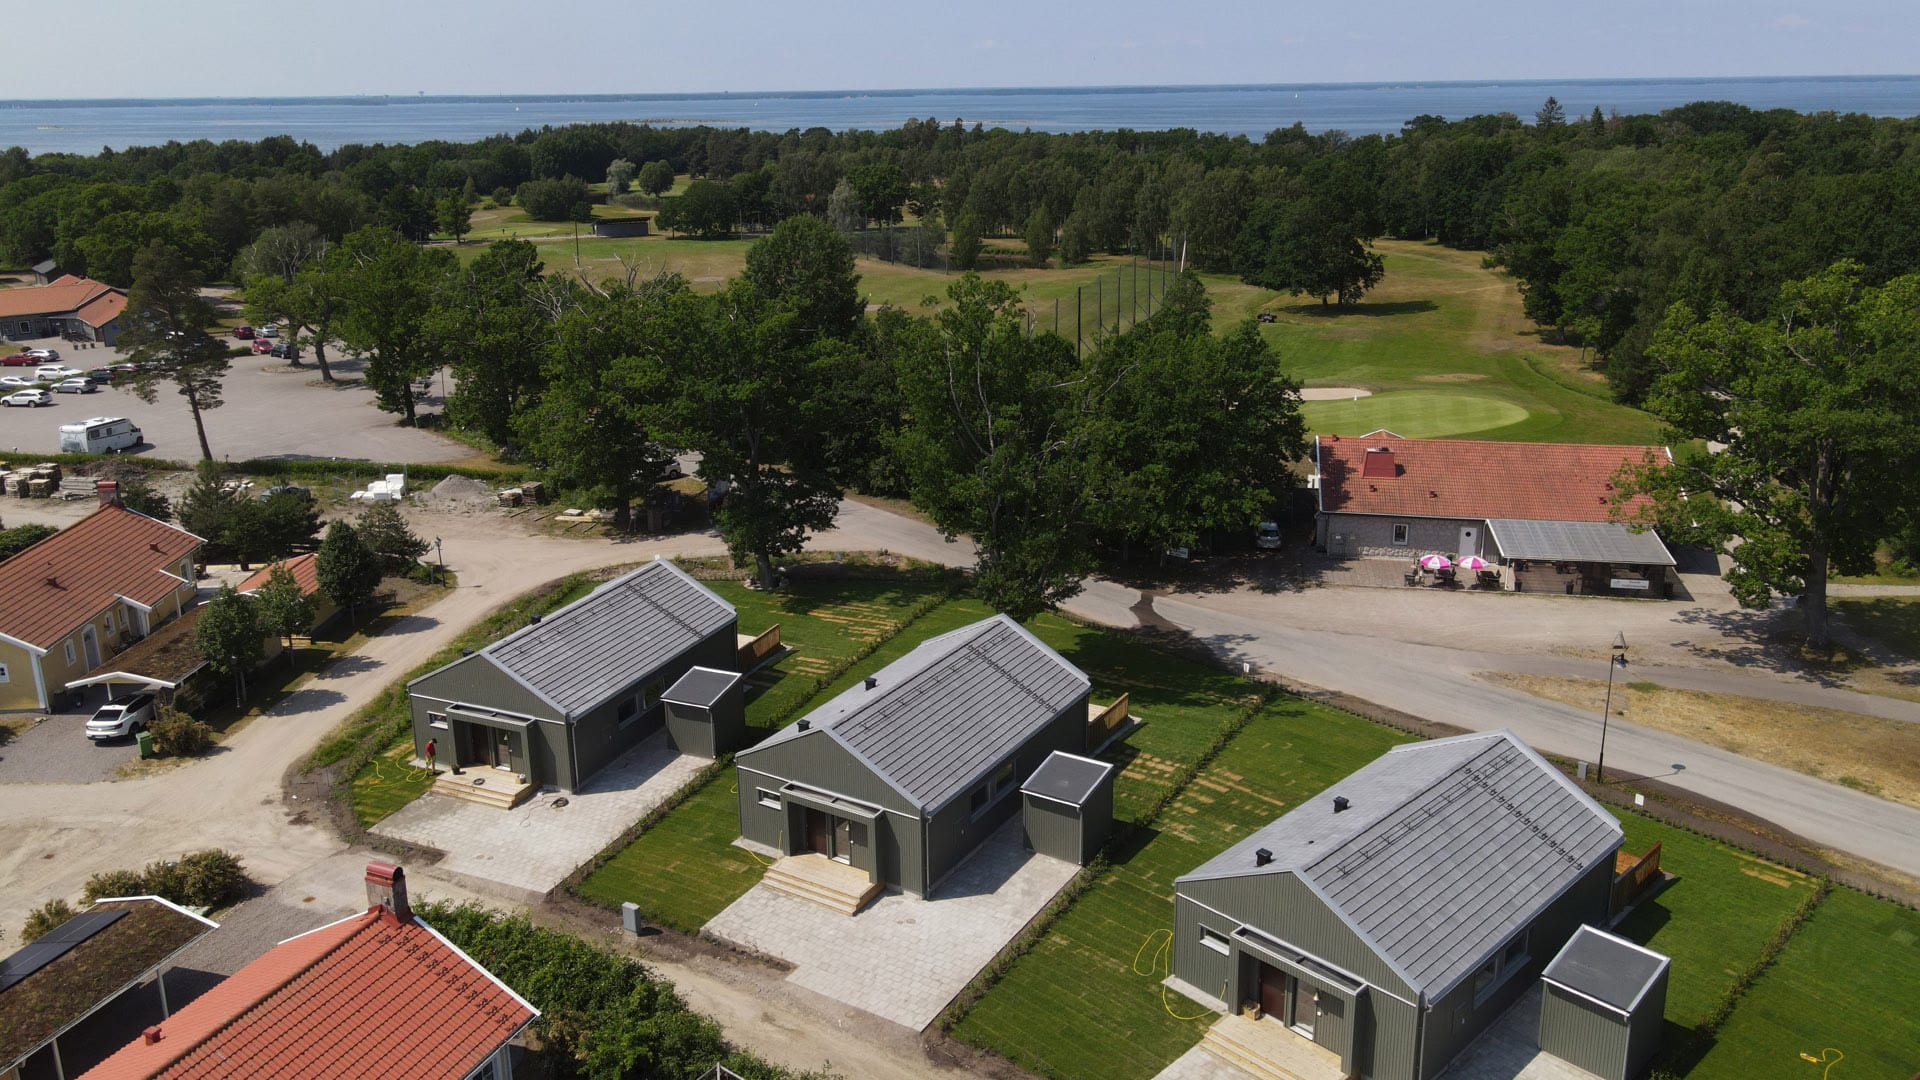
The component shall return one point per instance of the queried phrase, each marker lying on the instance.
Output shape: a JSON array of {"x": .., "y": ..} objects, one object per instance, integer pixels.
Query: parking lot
[
  {"x": 57, "y": 751},
  {"x": 270, "y": 411}
]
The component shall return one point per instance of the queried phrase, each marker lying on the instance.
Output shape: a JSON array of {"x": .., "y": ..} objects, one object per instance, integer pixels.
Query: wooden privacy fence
[
  {"x": 1102, "y": 722},
  {"x": 1632, "y": 874},
  {"x": 753, "y": 650}
]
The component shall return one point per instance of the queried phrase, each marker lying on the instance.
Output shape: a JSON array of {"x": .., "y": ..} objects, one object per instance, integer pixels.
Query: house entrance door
[
  {"x": 819, "y": 840},
  {"x": 1469, "y": 540},
  {"x": 503, "y": 750},
  {"x": 91, "y": 641},
  {"x": 842, "y": 841},
  {"x": 1273, "y": 992}
]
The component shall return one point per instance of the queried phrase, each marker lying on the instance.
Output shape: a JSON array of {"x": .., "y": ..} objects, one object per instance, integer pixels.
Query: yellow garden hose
[
  {"x": 1838, "y": 1057},
  {"x": 1162, "y": 958}
]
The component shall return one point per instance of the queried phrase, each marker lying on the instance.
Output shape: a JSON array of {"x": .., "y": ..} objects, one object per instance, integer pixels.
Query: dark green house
[
  {"x": 906, "y": 773},
  {"x": 562, "y": 697},
  {"x": 1394, "y": 916}
]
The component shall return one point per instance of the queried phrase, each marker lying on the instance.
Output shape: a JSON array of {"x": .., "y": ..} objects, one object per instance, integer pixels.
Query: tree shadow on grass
[{"x": 1363, "y": 309}]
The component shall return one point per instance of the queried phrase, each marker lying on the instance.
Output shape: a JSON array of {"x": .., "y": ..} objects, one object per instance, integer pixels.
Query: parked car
[
  {"x": 121, "y": 717},
  {"x": 261, "y": 345},
  {"x": 268, "y": 331},
  {"x": 1268, "y": 536},
  {"x": 244, "y": 333},
  {"x": 1266, "y": 317},
  {"x": 32, "y": 399},
  {"x": 19, "y": 359},
  {"x": 287, "y": 489},
  {"x": 54, "y": 372},
  {"x": 124, "y": 368},
  {"x": 102, "y": 375},
  {"x": 44, "y": 355},
  {"x": 17, "y": 382},
  {"x": 285, "y": 350},
  {"x": 81, "y": 385}
]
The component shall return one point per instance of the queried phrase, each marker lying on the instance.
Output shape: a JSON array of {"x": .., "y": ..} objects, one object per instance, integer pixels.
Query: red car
[
  {"x": 261, "y": 345},
  {"x": 244, "y": 333},
  {"x": 22, "y": 359}
]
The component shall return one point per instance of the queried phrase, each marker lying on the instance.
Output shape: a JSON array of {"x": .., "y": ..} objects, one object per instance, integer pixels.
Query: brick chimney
[
  {"x": 387, "y": 888},
  {"x": 108, "y": 491}
]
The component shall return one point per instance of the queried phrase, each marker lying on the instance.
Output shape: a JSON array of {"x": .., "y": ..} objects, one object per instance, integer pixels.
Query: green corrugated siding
[
  {"x": 1051, "y": 828},
  {"x": 1584, "y": 1034},
  {"x": 1281, "y": 905}
]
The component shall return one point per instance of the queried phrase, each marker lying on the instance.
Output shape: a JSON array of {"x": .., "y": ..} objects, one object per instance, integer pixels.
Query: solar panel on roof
[{"x": 55, "y": 944}]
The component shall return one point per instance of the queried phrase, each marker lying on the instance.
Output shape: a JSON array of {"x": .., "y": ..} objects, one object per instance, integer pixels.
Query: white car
[
  {"x": 82, "y": 385},
  {"x": 32, "y": 399},
  {"x": 55, "y": 372},
  {"x": 17, "y": 382},
  {"x": 1268, "y": 538},
  {"x": 121, "y": 717},
  {"x": 268, "y": 331},
  {"x": 42, "y": 354}
]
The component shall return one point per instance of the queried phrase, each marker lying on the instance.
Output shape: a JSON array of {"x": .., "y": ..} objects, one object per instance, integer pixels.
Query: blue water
[{"x": 1358, "y": 108}]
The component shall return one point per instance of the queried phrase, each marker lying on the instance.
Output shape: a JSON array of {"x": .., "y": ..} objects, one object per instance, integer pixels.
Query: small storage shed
[
  {"x": 1602, "y": 1002},
  {"x": 1066, "y": 807},
  {"x": 627, "y": 226},
  {"x": 707, "y": 712}
]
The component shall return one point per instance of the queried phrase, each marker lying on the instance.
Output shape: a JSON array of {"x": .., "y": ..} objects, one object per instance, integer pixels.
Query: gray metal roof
[
  {"x": 1067, "y": 778},
  {"x": 701, "y": 686},
  {"x": 600, "y": 644},
  {"x": 943, "y": 716},
  {"x": 1611, "y": 970},
  {"x": 1446, "y": 850},
  {"x": 1578, "y": 541}
]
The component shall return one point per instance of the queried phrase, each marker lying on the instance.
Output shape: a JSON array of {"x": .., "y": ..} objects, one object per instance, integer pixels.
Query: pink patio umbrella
[
  {"x": 1473, "y": 562},
  {"x": 1435, "y": 562}
]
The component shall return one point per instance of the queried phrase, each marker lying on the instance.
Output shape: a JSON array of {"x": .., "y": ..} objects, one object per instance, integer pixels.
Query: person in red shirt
[{"x": 429, "y": 753}]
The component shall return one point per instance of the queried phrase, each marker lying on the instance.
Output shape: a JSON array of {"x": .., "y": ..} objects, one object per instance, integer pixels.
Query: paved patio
[
  {"x": 534, "y": 846},
  {"x": 1508, "y": 1050},
  {"x": 903, "y": 958},
  {"x": 1200, "y": 1064}
]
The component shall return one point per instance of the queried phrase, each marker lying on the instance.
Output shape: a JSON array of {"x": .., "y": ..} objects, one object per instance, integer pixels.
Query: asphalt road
[{"x": 270, "y": 410}]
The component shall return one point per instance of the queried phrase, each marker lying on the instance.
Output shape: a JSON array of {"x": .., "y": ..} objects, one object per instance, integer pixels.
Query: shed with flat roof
[
  {"x": 1602, "y": 1003},
  {"x": 1066, "y": 807},
  {"x": 707, "y": 712}
]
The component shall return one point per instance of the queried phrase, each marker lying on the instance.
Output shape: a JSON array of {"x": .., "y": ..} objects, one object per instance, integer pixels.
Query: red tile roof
[
  {"x": 65, "y": 294},
  {"x": 1385, "y": 474},
  {"x": 305, "y": 570},
  {"x": 102, "y": 309},
  {"x": 371, "y": 996},
  {"x": 69, "y": 577}
]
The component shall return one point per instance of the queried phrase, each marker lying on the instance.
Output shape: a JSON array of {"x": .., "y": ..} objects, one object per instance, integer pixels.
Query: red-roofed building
[
  {"x": 380, "y": 994},
  {"x": 67, "y": 306},
  {"x": 306, "y": 574},
  {"x": 84, "y": 594},
  {"x": 1544, "y": 512}
]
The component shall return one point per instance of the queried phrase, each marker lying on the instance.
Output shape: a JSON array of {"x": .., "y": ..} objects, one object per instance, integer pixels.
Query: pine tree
[{"x": 385, "y": 533}]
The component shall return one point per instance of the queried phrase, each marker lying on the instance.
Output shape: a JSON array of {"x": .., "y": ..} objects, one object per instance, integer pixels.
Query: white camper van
[{"x": 99, "y": 435}]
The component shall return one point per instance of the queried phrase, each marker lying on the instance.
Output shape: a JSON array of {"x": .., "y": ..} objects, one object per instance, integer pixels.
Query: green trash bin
[{"x": 144, "y": 740}]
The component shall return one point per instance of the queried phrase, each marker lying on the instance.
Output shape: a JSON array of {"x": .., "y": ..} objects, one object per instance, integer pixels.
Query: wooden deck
[
  {"x": 1270, "y": 1051},
  {"x": 817, "y": 879},
  {"x": 488, "y": 787}
]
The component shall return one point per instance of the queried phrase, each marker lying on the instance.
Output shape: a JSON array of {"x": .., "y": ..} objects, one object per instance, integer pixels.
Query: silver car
[
  {"x": 75, "y": 386},
  {"x": 32, "y": 399},
  {"x": 121, "y": 717}
]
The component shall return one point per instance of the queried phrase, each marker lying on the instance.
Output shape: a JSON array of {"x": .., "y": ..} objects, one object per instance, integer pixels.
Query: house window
[
  {"x": 107, "y": 621},
  {"x": 69, "y": 644},
  {"x": 1500, "y": 967},
  {"x": 768, "y": 799},
  {"x": 1400, "y": 534},
  {"x": 628, "y": 712},
  {"x": 4, "y": 676},
  {"x": 978, "y": 800},
  {"x": 1214, "y": 939},
  {"x": 437, "y": 720}
]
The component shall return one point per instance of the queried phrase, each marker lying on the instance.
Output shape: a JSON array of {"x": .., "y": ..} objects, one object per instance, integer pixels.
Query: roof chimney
[
  {"x": 1340, "y": 803},
  {"x": 151, "y": 1035},
  {"x": 1377, "y": 464},
  {"x": 533, "y": 620},
  {"x": 803, "y": 725},
  {"x": 387, "y": 888},
  {"x": 107, "y": 491},
  {"x": 872, "y": 682},
  {"x": 1262, "y": 857}
]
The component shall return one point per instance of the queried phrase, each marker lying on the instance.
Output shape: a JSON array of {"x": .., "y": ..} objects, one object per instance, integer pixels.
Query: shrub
[
  {"x": 175, "y": 734},
  {"x": 165, "y": 879},
  {"x": 503, "y": 196},
  {"x": 114, "y": 883},
  {"x": 45, "y": 918},
  {"x": 211, "y": 878}
]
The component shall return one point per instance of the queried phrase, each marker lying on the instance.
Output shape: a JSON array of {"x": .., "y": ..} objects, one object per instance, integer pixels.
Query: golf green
[{"x": 1416, "y": 414}]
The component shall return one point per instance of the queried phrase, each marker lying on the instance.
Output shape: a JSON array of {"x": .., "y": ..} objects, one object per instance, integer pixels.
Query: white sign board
[{"x": 1630, "y": 583}]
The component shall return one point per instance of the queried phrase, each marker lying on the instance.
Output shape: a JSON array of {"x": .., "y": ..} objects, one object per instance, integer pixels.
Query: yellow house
[
  {"x": 77, "y": 598},
  {"x": 306, "y": 574}
]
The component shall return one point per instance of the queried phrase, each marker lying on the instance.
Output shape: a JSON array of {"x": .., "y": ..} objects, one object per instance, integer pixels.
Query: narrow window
[
  {"x": 768, "y": 799},
  {"x": 69, "y": 644},
  {"x": 1400, "y": 533},
  {"x": 1214, "y": 939},
  {"x": 628, "y": 712},
  {"x": 4, "y": 676},
  {"x": 107, "y": 621},
  {"x": 976, "y": 802},
  {"x": 437, "y": 720}
]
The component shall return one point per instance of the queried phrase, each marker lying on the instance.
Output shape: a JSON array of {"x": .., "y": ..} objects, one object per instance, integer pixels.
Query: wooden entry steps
[
  {"x": 502, "y": 790},
  {"x": 1268, "y": 1051},
  {"x": 819, "y": 880}
]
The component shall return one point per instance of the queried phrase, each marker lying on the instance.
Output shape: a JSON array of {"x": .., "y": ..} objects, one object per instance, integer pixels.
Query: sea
[{"x": 87, "y": 126}]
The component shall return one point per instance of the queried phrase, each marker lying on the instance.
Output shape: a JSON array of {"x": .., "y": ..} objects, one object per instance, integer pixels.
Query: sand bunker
[{"x": 1333, "y": 393}]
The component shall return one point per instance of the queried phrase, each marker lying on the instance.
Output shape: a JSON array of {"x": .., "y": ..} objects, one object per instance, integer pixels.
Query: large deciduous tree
[
  {"x": 390, "y": 287},
  {"x": 348, "y": 571},
  {"x": 1818, "y": 409},
  {"x": 1306, "y": 246},
  {"x": 283, "y": 609},
  {"x": 493, "y": 318},
  {"x": 808, "y": 265},
  {"x": 229, "y": 634},
  {"x": 166, "y": 335}
]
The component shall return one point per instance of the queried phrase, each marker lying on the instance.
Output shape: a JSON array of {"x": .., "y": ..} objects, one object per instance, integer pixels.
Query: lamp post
[
  {"x": 441, "y": 559},
  {"x": 1617, "y": 660}
]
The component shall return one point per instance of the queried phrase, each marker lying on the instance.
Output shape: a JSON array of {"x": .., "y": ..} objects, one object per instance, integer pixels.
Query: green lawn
[
  {"x": 388, "y": 782},
  {"x": 1892, "y": 621},
  {"x": 1416, "y": 414},
  {"x": 1714, "y": 920},
  {"x": 1086, "y": 1002},
  {"x": 1847, "y": 981}
]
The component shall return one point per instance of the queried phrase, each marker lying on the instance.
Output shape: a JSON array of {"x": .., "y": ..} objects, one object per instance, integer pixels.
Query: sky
[{"x": 273, "y": 48}]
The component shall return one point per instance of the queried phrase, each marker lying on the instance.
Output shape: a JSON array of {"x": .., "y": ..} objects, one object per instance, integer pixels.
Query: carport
[
  {"x": 1602, "y": 1003},
  {"x": 1066, "y": 807},
  {"x": 1605, "y": 558}
]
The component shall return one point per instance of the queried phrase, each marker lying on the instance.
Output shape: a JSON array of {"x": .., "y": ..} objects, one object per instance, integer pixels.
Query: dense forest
[{"x": 1606, "y": 221}]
